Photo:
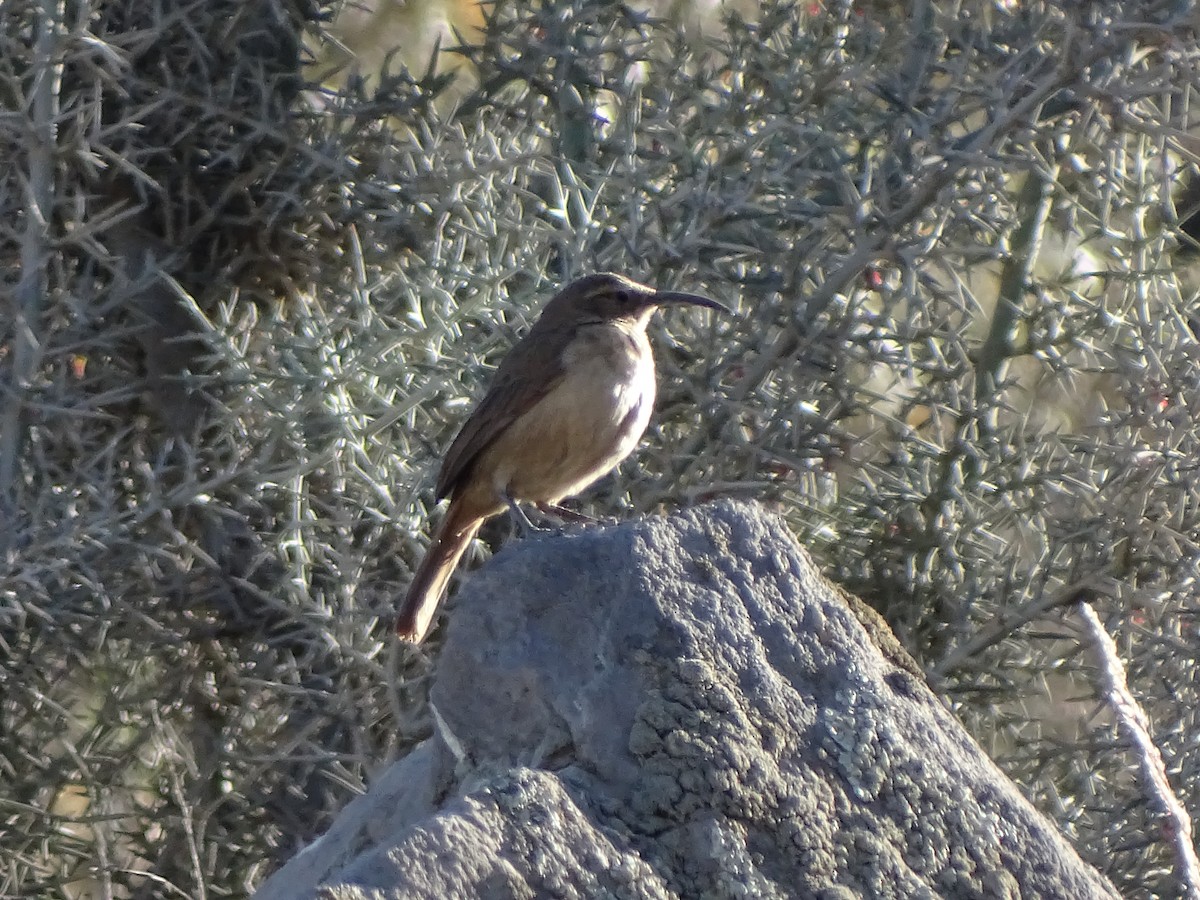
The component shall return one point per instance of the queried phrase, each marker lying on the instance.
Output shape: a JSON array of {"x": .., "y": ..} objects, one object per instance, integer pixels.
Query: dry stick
[
  {"x": 33, "y": 286},
  {"x": 1008, "y": 621},
  {"x": 1136, "y": 727}
]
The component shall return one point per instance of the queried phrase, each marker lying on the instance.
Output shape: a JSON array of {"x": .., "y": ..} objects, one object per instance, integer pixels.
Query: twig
[
  {"x": 1014, "y": 279},
  {"x": 1008, "y": 622},
  {"x": 1136, "y": 727},
  {"x": 33, "y": 286}
]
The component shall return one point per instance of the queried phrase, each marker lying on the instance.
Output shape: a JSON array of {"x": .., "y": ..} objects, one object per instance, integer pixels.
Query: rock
[{"x": 683, "y": 708}]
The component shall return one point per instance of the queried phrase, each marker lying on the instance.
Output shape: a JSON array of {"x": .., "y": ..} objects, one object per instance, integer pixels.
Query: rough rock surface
[{"x": 682, "y": 708}]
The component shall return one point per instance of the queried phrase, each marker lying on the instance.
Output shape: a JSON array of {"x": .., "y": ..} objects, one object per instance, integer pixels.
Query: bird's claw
[{"x": 522, "y": 525}]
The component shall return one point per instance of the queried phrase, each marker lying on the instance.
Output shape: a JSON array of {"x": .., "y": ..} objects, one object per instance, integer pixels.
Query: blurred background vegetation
[{"x": 259, "y": 258}]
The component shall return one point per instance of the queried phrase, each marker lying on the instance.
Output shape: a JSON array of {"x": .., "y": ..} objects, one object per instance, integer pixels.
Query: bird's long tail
[{"x": 433, "y": 574}]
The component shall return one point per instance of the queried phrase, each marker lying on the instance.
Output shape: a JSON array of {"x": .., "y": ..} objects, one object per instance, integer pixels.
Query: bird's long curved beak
[{"x": 663, "y": 298}]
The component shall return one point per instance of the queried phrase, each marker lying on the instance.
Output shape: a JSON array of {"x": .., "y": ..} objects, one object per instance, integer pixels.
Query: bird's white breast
[
  {"x": 611, "y": 372},
  {"x": 589, "y": 421}
]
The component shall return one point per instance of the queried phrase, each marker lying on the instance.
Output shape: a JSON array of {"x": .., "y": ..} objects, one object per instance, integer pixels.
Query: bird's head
[{"x": 606, "y": 297}]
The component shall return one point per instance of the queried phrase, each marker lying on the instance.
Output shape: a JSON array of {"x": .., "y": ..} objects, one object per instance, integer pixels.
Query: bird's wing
[{"x": 528, "y": 373}]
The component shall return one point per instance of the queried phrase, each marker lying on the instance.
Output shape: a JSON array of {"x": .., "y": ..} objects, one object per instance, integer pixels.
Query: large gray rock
[{"x": 683, "y": 708}]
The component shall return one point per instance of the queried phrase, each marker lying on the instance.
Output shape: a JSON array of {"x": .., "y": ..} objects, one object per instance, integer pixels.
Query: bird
[{"x": 566, "y": 405}]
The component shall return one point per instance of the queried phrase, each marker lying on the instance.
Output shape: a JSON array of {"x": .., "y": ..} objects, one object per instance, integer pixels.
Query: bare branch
[{"x": 1135, "y": 725}]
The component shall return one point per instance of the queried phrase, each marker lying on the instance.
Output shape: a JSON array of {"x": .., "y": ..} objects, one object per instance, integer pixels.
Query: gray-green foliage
[{"x": 256, "y": 312}]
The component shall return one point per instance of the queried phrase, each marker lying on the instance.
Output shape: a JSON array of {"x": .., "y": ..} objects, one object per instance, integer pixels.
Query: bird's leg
[{"x": 521, "y": 524}]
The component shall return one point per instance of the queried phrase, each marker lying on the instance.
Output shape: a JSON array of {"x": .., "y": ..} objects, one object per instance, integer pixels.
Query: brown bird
[{"x": 568, "y": 403}]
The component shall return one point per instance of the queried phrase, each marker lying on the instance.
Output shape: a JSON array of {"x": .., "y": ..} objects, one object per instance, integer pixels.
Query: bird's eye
[{"x": 622, "y": 297}]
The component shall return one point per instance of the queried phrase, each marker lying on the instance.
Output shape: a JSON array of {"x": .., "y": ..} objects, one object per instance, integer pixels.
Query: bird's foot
[
  {"x": 522, "y": 526},
  {"x": 559, "y": 518}
]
